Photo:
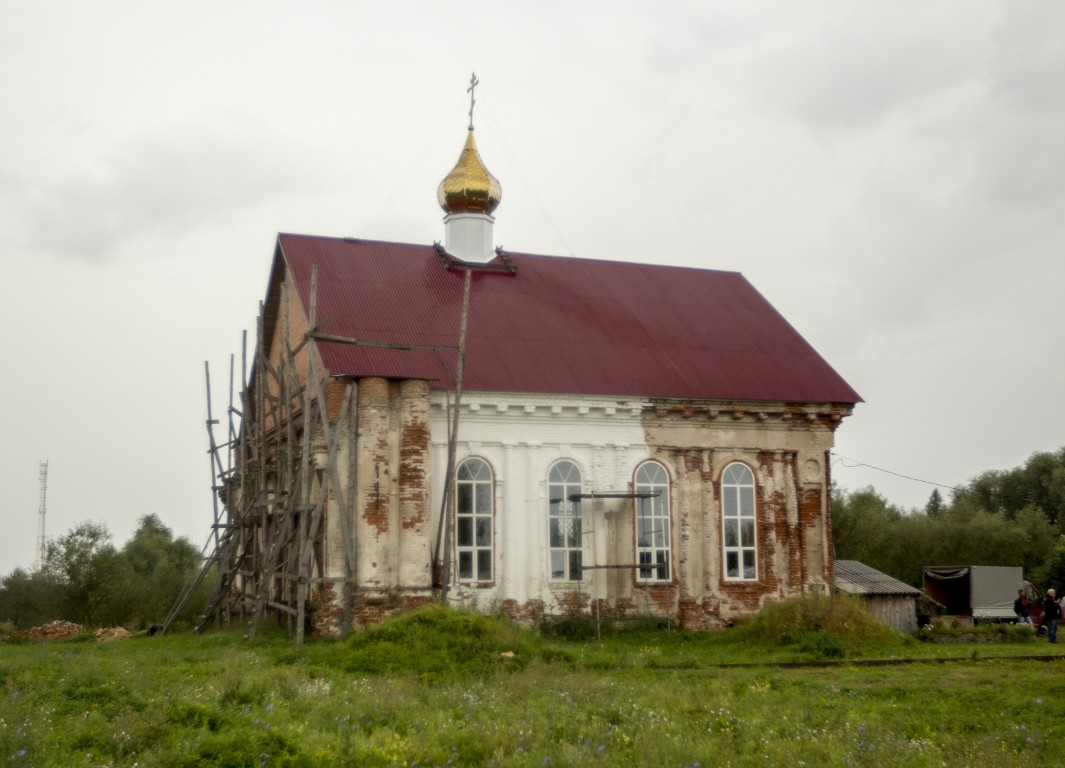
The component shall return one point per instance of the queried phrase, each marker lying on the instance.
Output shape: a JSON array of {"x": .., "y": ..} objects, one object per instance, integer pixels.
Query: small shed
[{"x": 892, "y": 601}]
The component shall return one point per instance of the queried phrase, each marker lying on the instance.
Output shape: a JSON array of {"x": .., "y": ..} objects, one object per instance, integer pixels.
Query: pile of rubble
[
  {"x": 113, "y": 633},
  {"x": 61, "y": 630},
  {"x": 54, "y": 630}
]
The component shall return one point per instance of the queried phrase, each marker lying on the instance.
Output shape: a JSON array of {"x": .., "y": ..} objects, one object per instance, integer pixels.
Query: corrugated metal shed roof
[
  {"x": 859, "y": 579},
  {"x": 558, "y": 325}
]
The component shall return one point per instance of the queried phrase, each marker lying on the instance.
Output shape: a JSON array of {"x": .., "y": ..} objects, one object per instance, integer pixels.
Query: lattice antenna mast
[{"x": 41, "y": 549}]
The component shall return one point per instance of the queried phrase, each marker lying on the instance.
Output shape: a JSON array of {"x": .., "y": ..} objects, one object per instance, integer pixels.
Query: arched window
[
  {"x": 652, "y": 522},
  {"x": 738, "y": 523},
  {"x": 473, "y": 520},
  {"x": 564, "y": 521}
]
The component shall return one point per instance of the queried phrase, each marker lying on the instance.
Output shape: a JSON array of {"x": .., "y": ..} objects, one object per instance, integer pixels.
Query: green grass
[{"x": 453, "y": 688}]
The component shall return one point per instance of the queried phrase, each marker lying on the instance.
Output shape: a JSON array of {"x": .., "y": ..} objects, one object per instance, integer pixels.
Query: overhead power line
[{"x": 855, "y": 463}]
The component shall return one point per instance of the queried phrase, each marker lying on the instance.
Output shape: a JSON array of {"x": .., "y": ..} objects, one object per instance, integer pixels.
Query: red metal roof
[{"x": 557, "y": 325}]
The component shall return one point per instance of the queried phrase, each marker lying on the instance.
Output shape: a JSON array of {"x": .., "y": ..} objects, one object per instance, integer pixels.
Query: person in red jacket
[{"x": 1020, "y": 607}]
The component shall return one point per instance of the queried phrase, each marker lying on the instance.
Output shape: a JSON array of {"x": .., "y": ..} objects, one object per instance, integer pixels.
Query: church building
[{"x": 536, "y": 434}]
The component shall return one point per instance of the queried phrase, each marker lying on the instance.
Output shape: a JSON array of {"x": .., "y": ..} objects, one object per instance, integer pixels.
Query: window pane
[
  {"x": 575, "y": 564},
  {"x": 747, "y": 502},
  {"x": 749, "y": 569},
  {"x": 464, "y": 532},
  {"x": 730, "y": 499},
  {"x": 574, "y": 532},
  {"x": 557, "y": 534},
  {"x": 465, "y": 565},
  {"x": 732, "y": 564},
  {"x": 731, "y": 533},
  {"x": 747, "y": 533},
  {"x": 643, "y": 532},
  {"x": 645, "y": 558},
  {"x": 465, "y": 498},
  {"x": 484, "y": 531},
  {"x": 484, "y": 498},
  {"x": 558, "y": 565},
  {"x": 484, "y": 564},
  {"x": 663, "y": 565}
]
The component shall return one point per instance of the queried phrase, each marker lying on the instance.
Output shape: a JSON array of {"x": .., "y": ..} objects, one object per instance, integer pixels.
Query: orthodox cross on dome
[{"x": 474, "y": 82}]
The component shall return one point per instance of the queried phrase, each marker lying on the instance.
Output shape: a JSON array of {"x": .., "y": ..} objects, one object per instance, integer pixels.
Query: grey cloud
[
  {"x": 160, "y": 185},
  {"x": 863, "y": 65}
]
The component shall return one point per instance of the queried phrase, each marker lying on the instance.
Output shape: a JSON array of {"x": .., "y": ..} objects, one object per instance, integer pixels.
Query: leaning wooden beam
[
  {"x": 282, "y": 607},
  {"x": 308, "y": 434},
  {"x": 334, "y": 339},
  {"x": 445, "y": 509}
]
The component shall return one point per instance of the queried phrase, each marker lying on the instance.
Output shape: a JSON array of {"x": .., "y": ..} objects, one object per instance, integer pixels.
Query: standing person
[
  {"x": 1051, "y": 614},
  {"x": 1020, "y": 607}
]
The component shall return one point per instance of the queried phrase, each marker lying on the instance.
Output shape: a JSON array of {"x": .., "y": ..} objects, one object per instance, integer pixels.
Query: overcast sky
[{"x": 889, "y": 174}]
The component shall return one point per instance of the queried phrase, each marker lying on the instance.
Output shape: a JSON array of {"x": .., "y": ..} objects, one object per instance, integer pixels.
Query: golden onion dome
[{"x": 469, "y": 188}]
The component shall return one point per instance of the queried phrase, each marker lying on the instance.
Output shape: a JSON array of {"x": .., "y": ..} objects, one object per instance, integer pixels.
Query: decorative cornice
[{"x": 730, "y": 414}]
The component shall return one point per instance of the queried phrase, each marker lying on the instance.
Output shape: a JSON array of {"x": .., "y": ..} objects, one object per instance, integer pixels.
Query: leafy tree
[
  {"x": 934, "y": 507},
  {"x": 29, "y": 598},
  {"x": 1052, "y": 572},
  {"x": 154, "y": 569},
  {"x": 83, "y": 563},
  {"x": 1040, "y": 483},
  {"x": 85, "y": 579},
  {"x": 869, "y": 529},
  {"x": 1040, "y": 536}
]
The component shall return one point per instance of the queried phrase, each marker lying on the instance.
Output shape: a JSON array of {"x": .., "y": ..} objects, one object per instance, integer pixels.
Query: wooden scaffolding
[
  {"x": 279, "y": 468},
  {"x": 273, "y": 476}
]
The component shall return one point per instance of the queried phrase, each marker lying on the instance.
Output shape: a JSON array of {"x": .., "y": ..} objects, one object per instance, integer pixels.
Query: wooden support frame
[
  {"x": 269, "y": 553},
  {"x": 282, "y": 475}
]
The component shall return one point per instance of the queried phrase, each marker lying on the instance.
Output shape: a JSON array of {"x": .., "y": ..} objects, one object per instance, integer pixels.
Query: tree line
[
  {"x": 85, "y": 579},
  {"x": 1013, "y": 517}
]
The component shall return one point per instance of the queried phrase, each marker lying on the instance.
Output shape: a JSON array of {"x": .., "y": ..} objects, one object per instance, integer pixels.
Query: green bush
[
  {"x": 438, "y": 642},
  {"x": 820, "y": 625},
  {"x": 569, "y": 627}
]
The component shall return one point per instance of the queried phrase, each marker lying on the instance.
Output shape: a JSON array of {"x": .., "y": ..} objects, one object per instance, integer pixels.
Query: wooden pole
[{"x": 447, "y": 503}]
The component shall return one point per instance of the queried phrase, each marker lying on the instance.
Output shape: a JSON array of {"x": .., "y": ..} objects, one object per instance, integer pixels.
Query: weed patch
[
  {"x": 979, "y": 633},
  {"x": 820, "y": 626},
  {"x": 438, "y": 643}
]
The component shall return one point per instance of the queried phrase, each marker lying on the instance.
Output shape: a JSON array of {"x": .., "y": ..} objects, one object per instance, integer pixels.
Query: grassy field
[{"x": 447, "y": 688}]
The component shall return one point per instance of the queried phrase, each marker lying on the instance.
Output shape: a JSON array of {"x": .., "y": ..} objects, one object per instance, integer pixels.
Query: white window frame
[
  {"x": 652, "y": 521},
  {"x": 564, "y": 522},
  {"x": 474, "y": 521},
  {"x": 739, "y": 523}
]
